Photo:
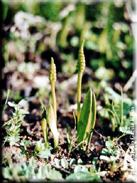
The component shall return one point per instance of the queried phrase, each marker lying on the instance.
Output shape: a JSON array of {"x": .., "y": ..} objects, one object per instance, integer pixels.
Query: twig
[
  {"x": 77, "y": 145},
  {"x": 61, "y": 169},
  {"x": 124, "y": 134},
  {"x": 8, "y": 92},
  {"x": 104, "y": 138},
  {"x": 130, "y": 81}
]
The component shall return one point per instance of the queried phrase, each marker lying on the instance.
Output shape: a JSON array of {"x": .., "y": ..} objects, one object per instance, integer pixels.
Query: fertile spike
[
  {"x": 80, "y": 67},
  {"x": 52, "y": 78},
  {"x": 52, "y": 73},
  {"x": 81, "y": 58}
]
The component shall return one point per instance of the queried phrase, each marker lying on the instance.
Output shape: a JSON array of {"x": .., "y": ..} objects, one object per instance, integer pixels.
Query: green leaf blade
[
  {"x": 87, "y": 117},
  {"x": 53, "y": 125},
  {"x": 84, "y": 176}
]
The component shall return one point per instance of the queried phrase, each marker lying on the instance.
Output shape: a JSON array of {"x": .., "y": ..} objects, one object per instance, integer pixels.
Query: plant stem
[
  {"x": 79, "y": 95},
  {"x": 61, "y": 169},
  {"x": 124, "y": 134},
  {"x": 54, "y": 99},
  {"x": 77, "y": 145},
  {"x": 121, "y": 107},
  {"x": 8, "y": 92},
  {"x": 44, "y": 129},
  {"x": 56, "y": 140},
  {"x": 103, "y": 137},
  {"x": 52, "y": 78}
]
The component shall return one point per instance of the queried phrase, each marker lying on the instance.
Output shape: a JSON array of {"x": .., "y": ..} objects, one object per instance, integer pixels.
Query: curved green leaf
[
  {"x": 87, "y": 117},
  {"x": 44, "y": 125},
  {"x": 44, "y": 113},
  {"x": 44, "y": 129},
  {"x": 53, "y": 125},
  {"x": 84, "y": 176}
]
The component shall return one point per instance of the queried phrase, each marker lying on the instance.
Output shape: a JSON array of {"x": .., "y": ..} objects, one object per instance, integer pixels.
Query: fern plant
[
  {"x": 52, "y": 78},
  {"x": 50, "y": 118},
  {"x": 86, "y": 116}
]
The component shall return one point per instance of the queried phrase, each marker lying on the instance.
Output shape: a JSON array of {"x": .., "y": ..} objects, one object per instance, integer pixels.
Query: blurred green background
[{"x": 34, "y": 31}]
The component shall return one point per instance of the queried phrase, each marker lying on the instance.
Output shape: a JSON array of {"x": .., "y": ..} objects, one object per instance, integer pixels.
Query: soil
[{"x": 31, "y": 129}]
